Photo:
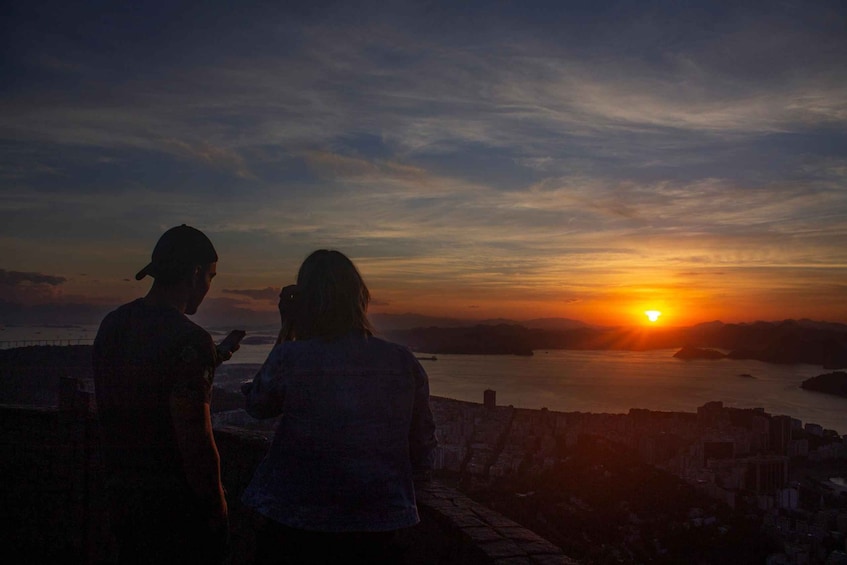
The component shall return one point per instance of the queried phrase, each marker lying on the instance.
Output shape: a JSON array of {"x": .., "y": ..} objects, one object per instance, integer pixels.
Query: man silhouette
[{"x": 153, "y": 372}]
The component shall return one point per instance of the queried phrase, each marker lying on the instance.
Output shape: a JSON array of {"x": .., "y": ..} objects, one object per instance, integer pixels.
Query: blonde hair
[{"x": 332, "y": 298}]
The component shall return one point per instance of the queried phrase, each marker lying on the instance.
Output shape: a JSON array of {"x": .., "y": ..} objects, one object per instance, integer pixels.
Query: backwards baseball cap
[{"x": 179, "y": 247}]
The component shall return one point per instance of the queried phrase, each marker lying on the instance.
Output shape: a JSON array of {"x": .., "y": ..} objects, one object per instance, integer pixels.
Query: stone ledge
[
  {"x": 474, "y": 533},
  {"x": 493, "y": 537}
]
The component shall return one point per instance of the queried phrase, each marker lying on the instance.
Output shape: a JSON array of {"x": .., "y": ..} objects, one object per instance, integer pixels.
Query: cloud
[
  {"x": 268, "y": 294},
  {"x": 30, "y": 288},
  {"x": 346, "y": 167},
  {"x": 210, "y": 155},
  {"x": 16, "y": 278},
  {"x": 521, "y": 151},
  {"x": 33, "y": 298},
  {"x": 51, "y": 313}
]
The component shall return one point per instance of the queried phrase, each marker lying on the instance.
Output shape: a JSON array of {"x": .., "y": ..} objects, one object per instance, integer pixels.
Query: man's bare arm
[{"x": 191, "y": 416}]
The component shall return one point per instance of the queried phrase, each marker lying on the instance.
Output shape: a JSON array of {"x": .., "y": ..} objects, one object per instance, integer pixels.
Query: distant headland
[
  {"x": 830, "y": 383},
  {"x": 785, "y": 342}
]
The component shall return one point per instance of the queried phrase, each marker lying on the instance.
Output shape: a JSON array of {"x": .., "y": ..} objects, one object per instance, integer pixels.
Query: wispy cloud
[
  {"x": 215, "y": 157},
  {"x": 16, "y": 278},
  {"x": 567, "y": 155},
  {"x": 29, "y": 288},
  {"x": 267, "y": 294}
]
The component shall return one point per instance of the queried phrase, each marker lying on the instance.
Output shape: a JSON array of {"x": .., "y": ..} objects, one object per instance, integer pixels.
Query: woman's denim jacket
[{"x": 356, "y": 427}]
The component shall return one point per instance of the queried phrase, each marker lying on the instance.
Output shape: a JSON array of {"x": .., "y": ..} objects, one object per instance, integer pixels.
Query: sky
[{"x": 585, "y": 160}]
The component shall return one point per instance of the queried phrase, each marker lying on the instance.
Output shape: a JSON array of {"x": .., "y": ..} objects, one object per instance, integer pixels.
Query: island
[
  {"x": 689, "y": 352},
  {"x": 829, "y": 383}
]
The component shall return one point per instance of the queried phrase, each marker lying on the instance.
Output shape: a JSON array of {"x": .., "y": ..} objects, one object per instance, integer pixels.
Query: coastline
[
  {"x": 582, "y": 384},
  {"x": 465, "y": 378}
]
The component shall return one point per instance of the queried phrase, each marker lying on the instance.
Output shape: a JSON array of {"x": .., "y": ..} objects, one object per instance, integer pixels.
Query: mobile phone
[{"x": 230, "y": 342}]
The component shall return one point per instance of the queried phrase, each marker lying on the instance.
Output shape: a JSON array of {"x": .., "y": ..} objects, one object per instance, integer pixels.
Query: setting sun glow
[{"x": 652, "y": 315}]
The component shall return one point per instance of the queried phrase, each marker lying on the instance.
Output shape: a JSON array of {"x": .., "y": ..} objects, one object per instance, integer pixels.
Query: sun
[{"x": 652, "y": 315}]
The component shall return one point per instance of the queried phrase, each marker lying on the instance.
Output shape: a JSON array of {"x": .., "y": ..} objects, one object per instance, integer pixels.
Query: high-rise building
[
  {"x": 767, "y": 474},
  {"x": 717, "y": 450},
  {"x": 780, "y": 434},
  {"x": 490, "y": 398}
]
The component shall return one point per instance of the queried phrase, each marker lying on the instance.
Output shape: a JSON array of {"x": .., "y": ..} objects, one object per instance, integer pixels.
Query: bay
[
  {"x": 21, "y": 336},
  {"x": 573, "y": 381},
  {"x": 615, "y": 381}
]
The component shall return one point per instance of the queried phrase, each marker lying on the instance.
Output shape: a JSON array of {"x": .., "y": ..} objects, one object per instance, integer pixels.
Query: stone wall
[
  {"x": 50, "y": 490},
  {"x": 55, "y": 509},
  {"x": 453, "y": 529}
]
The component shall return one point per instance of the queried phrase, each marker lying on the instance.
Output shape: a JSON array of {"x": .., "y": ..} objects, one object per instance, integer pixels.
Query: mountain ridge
[{"x": 784, "y": 342}]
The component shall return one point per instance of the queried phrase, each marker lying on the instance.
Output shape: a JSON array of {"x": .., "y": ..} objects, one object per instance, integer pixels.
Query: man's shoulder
[
  {"x": 193, "y": 339},
  {"x": 193, "y": 330},
  {"x": 156, "y": 326},
  {"x": 114, "y": 325},
  {"x": 121, "y": 312}
]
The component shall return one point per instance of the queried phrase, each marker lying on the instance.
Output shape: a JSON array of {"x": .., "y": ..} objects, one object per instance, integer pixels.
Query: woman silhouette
[{"x": 356, "y": 428}]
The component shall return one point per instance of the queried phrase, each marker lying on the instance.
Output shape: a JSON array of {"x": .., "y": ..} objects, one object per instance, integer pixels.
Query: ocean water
[
  {"x": 17, "y": 336},
  {"x": 610, "y": 381},
  {"x": 573, "y": 381},
  {"x": 615, "y": 381}
]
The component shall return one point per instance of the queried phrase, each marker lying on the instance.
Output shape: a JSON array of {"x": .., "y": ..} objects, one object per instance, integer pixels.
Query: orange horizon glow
[
  {"x": 677, "y": 310},
  {"x": 605, "y": 302}
]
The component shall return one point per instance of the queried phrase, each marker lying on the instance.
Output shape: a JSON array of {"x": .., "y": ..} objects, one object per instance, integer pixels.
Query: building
[{"x": 766, "y": 474}]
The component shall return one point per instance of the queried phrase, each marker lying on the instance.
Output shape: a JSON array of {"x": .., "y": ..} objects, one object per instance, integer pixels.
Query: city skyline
[{"x": 476, "y": 161}]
